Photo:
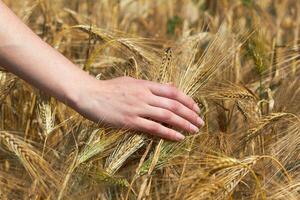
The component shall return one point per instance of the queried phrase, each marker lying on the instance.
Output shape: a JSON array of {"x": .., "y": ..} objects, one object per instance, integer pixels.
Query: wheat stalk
[
  {"x": 46, "y": 115},
  {"x": 36, "y": 166},
  {"x": 123, "y": 151},
  {"x": 7, "y": 83},
  {"x": 263, "y": 123}
]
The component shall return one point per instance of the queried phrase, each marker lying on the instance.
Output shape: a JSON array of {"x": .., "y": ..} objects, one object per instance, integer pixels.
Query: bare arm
[{"x": 122, "y": 102}]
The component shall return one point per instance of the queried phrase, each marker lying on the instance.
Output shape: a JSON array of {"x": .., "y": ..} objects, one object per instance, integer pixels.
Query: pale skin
[{"x": 121, "y": 102}]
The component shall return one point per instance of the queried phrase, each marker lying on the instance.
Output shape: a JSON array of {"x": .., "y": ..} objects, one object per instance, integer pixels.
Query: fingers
[
  {"x": 157, "y": 129},
  {"x": 171, "y": 92},
  {"x": 177, "y": 108},
  {"x": 166, "y": 116}
]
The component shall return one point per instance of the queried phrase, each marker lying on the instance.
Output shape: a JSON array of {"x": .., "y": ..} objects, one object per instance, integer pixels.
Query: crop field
[{"x": 238, "y": 59}]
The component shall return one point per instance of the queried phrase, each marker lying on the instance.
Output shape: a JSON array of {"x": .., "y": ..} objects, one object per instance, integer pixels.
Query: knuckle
[
  {"x": 169, "y": 134},
  {"x": 186, "y": 125},
  {"x": 166, "y": 115},
  {"x": 154, "y": 128},
  {"x": 145, "y": 83},
  {"x": 174, "y": 106},
  {"x": 191, "y": 101},
  {"x": 182, "y": 123},
  {"x": 139, "y": 94},
  {"x": 129, "y": 121},
  {"x": 195, "y": 117},
  {"x": 173, "y": 92}
]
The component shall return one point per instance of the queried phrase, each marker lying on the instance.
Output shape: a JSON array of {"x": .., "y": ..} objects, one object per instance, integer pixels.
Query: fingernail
[
  {"x": 196, "y": 108},
  {"x": 170, "y": 83},
  {"x": 200, "y": 121},
  {"x": 194, "y": 128},
  {"x": 179, "y": 136}
]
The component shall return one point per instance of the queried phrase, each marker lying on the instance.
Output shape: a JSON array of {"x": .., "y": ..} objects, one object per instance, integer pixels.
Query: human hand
[
  {"x": 122, "y": 102},
  {"x": 139, "y": 105}
]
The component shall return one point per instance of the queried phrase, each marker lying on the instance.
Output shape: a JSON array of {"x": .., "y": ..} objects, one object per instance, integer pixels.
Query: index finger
[{"x": 172, "y": 92}]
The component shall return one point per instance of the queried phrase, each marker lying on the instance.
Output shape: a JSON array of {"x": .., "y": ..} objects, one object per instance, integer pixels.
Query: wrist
[
  {"x": 76, "y": 88},
  {"x": 80, "y": 88}
]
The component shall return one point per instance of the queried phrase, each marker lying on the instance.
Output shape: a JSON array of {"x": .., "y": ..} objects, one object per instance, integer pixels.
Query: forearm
[{"x": 23, "y": 53}]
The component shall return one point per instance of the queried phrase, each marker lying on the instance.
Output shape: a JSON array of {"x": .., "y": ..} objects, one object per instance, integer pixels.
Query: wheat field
[{"x": 238, "y": 59}]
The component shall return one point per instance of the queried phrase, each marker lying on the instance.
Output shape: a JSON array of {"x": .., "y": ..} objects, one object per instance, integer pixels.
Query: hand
[
  {"x": 122, "y": 102},
  {"x": 140, "y": 105}
]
